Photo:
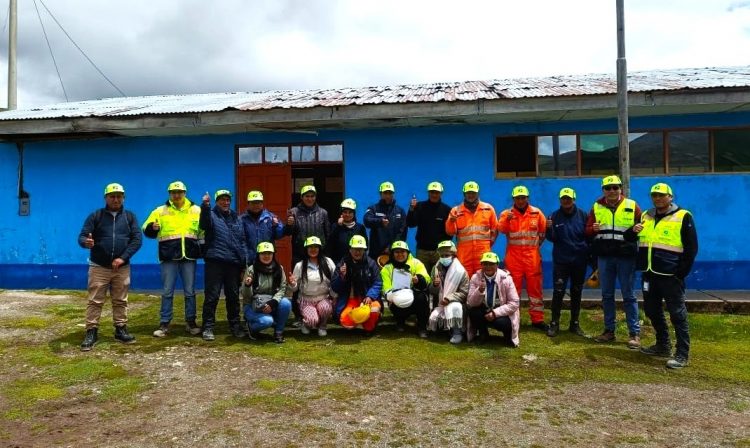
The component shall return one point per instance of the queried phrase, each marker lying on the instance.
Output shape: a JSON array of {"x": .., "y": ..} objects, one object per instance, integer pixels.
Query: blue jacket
[
  {"x": 568, "y": 234},
  {"x": 115, "y": 236},
  {"x": 338, "y": 241},
  {"x": 225, "y": 237},
  {"x": 261, "y": 230},
  {"x": 362, "y": 279},
  {"x": 382, "y": 237}
]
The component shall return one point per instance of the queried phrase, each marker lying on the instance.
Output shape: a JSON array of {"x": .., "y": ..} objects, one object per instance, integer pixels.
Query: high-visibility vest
[
  {"x": 178, "y": 224},
  {"x": 664, "y": 235},
  {"x": 612, "y": 225},
  {"x": 477, "y": 226}
]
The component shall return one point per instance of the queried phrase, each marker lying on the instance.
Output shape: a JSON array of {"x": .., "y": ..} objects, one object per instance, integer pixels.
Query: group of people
[{"x": 340, "y": 274}]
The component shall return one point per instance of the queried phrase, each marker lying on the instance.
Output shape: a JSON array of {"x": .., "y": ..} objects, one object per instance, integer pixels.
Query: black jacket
[
  {"x": 115, "y": 236},
  {"x": 382, "y": 237},
  {"x": 338, "y": 240},
  {"x": 429, "y": 219}
]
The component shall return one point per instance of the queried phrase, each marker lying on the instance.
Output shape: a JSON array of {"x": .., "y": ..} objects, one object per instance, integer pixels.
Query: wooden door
[{"x": 274, "y": 180}]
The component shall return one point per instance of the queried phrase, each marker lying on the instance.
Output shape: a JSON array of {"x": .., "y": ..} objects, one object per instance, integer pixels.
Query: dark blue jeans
[
  {"x": 672, "y": 291},
  {"x": 622, "y": 270}
]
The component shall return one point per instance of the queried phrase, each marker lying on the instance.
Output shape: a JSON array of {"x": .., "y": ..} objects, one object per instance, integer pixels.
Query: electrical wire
[
  {"x": 54, "y": 61},
  {"x": 81, "y": 50}
]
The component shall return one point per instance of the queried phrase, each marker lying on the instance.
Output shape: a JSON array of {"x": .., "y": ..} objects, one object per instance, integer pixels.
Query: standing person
[
  {"x": 524, "y": 227},
  {"x": 405, "y": 281},
  {"x": 176, "y": 225},
  {"x": 493, "y": 302},
  {"x": 113, "y": 237},
  {"x": 566, "y": 229},
  {"x": 343, "y": 230},
  {"x": 450, "y": 283},
  {"x": 668, "y": 244},
  {"x": 386, "y": 221},
  {"x": 259, "y": 224},
  {"x": 610, "y": 217},
  {"x": 475, "y": 225},
  {"x": 429, "y": 218},
  {"x": 357, "y": 283},
  {"x": 225, "y": 261},
  {"x": 263, "y": 290},
  {"x": 312, "y": 278}
]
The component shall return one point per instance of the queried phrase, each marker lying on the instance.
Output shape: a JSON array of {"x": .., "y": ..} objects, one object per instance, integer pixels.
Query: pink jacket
[{"x": 507, "y": 298}]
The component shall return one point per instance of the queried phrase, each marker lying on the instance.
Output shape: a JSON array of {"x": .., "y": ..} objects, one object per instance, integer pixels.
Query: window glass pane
[
  {"x": 732, "y": 150},
  {"x": 303, "y": 153},
  {"x": 516, "y": 156},
  {"x": 557, "y": 155},
  {"x": 250, "y": 154},
  {"x": 330, "y": 153},
  {"x": 277, "y": 154},
  {"x": 599, "y": 154},
  {"x": 688, "y": 152},
  {"x": 646, "y": 152}
]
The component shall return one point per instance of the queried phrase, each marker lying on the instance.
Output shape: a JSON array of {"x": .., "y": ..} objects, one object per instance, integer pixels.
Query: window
[
  {"x": 557, "y": 155},
  {"x": 688, "y": 152},
  {"x": 277, "y": 154},
  {"x": 330, "y": 153},
  {"x": 600, "y": 154},
  {"x": 304, "y": 153},
  {"x": 515, "y": 156},
  {"x": 731, "y": 150},
  {"x": 646, "y": 152},
  {"x": 250, "y": 154}
]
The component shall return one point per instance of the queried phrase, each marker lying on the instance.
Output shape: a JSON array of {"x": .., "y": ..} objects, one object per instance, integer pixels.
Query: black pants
[
  {"x": 420, "y": 307},
  {"x": 501, "y": 324},
  {"x": 561, "y": 274},
  {"x": 218, "y": 275},
  {"x": 672, "y": 290}
]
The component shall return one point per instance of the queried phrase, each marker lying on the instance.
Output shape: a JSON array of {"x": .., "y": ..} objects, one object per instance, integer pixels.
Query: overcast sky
[{"x": 151, "y": 47}]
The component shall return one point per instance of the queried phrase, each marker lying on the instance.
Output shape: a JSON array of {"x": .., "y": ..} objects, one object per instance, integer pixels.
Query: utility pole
[
  {"x": 622, "y": 100},
  {"x": 12, "y": 37}
]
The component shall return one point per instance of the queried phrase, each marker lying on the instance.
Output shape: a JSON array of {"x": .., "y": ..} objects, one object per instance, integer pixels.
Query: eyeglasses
[{"x": 612, "y": 187}]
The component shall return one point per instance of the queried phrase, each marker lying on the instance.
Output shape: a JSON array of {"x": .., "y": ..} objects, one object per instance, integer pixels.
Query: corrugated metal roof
[{"x": 555, "y": 86}]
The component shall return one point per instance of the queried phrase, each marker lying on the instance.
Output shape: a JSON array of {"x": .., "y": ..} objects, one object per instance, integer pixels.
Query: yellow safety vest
[
  {"x": 664, "y": 235},
  {"x": 177, "y": 224},
  {"x": 612, "y": 226}
]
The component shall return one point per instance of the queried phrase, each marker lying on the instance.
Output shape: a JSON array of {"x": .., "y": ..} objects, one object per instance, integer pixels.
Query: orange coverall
[
  {"x": 525, "y": 233},
  {"x": 475, "y": 233}
]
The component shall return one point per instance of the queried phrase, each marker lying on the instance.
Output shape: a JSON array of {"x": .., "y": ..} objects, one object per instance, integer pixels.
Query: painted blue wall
[{"x": 65, "y": 180}]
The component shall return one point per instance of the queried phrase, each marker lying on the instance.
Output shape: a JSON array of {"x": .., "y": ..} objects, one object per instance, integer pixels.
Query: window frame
[{"x": 315, "y": 144}]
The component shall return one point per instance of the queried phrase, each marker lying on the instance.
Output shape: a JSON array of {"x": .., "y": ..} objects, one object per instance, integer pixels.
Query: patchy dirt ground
[{"x": 201, "y": 395}]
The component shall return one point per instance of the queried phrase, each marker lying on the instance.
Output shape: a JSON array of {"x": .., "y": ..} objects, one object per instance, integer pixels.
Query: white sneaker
[
  {"x": 161, "y": 331},
  {"x": 304, "y": 329},
  {"x": 322, "y": 332}
]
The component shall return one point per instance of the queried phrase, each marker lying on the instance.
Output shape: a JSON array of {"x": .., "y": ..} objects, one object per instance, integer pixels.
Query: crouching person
[
  {"x": 312, "y": 278},
  {"x": 405, "y": 281},
  {"x": 450, "y": 284},
  {"x": 493, "y": 302},
  {"x": 358, "y": 284},
  {"x": 263, "y": 292}
]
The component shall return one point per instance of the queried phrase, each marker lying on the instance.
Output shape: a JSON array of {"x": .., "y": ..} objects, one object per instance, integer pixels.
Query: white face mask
[{"x": 446, "y": 261}]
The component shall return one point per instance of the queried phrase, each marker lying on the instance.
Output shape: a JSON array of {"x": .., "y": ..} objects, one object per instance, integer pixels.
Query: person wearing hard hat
[
  {"x": 429, "y": 218},
  {"x": 474, "y": 223},
  {"x": 386, "y": 221},
  {"x": 610, "y": 217},
  {"x": 112, "y": 236},
  {"x": 225, "y": 259},
  {"x": 357, "y": 283},
  {"x": 450, "y": 284},
  {"x": 566, "y": 230},
  {"x": 259, "y": 224},
  {"x": 312, "y": 278},
  {"x": 405, "y": 281},
  {"x": 176, "y": 225},
  {"x": 667, "y": 247},
  {"x": 524, "y": 226},
  {"x": 493, "y": 302},
  {"x": 343, "y": 230},
  {"x": 263, "y": 294}
]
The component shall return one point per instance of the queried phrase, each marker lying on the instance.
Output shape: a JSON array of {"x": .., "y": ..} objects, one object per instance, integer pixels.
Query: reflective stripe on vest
[
  {"x": 612, "y": 226},
  {"x": 665, "y": 235}
]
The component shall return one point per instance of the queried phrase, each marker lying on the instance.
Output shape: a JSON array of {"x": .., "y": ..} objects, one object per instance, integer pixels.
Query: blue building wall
[{"x": 65, "y": 180}]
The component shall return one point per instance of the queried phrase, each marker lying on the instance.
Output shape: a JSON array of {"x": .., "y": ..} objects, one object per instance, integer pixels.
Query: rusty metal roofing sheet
[{"x": 554, "y": 86}]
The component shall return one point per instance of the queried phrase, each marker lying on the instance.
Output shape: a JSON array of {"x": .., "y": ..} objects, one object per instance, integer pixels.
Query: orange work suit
[
  {"x": 475, "y": 233},
  {"x": 525, "y": 233}
]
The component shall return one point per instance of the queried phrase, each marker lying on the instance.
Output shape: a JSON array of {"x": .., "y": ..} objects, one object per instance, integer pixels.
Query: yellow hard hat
[
  {"x": 113, "y": 188},
  {"x": 312, "y": 241},
  {"x": 265, "y": 247},
  {"x": 519, "y": 190},
  {"x": 569, "y": 192},
  {"x": 490, "y": 257},
  {"x": 387, "y": 186},
  {"x": 447, "y": 244},
  {"x": 399, "y": 245},
  {"x": 222, "y": 193},
  {"x": 435, "y": 186},
  {"x": 471, "y": 186},
  {"x": 611, "y": 180},
  {"x": 358, "y": 242},
  {"x": 349, "y": 203},
  {"x": 360, "y": 314},
  {"x": 661, "y": 188},
  {"x": 177, "y": 186},
  {"x": 254, "y": 195},
  {"x": 308, "y": 189}
]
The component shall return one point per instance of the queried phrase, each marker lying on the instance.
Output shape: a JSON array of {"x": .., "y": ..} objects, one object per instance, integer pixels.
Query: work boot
[
  {"x": 208, "y": 334},
  {"x": 576, "y": 329},
  {"x": 162, "y": 330},
  {"x": 661, "y": 351},
  {"x": 90, "y": 339},
  {"x": 634, "y": 342},
  {"x": 606, "y": 336},
  {"x": 192, "y": 328},
  {"x": 677, "y": 362},
  {"x": 236, "y": 330},
  {"x": 554, "y": 327},
  {"x": 540, "y": 326},
  {"x": 278, "y": 338},
  {"x": 456, "y": 336},
  {"x": 122, "y": 335}
]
